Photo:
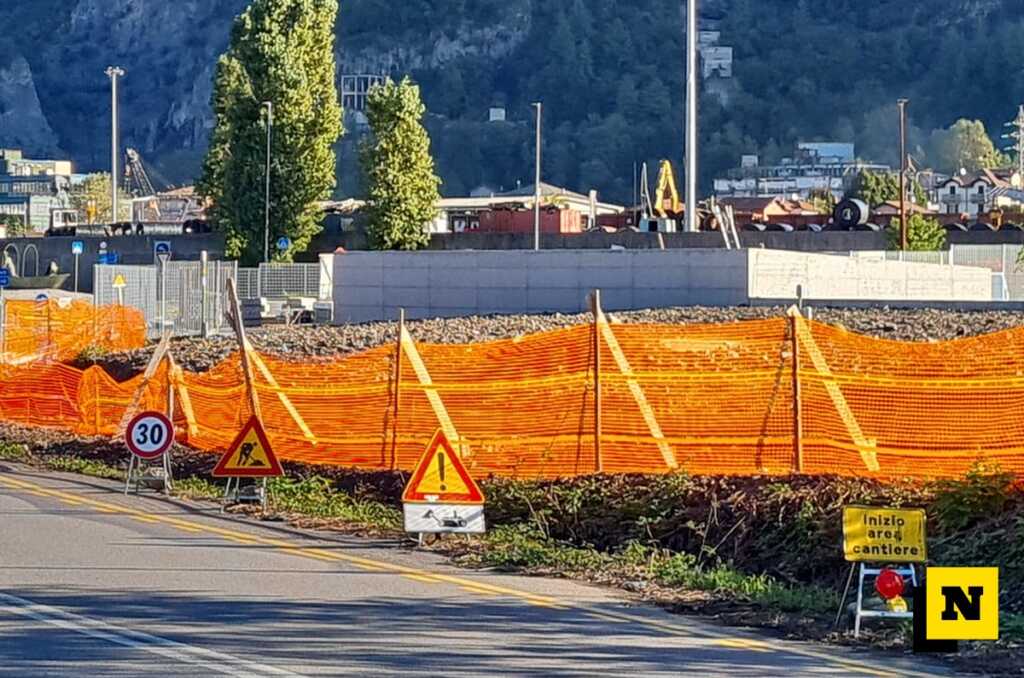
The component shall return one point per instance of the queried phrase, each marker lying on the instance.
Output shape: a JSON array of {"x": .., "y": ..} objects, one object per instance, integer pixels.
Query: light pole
[
  {"x": 536, "y": 184},
  {"x": 113, "y": 72},
  {"x": 269, "y": 105},
  {"x": 691, "y": 116},
  {"x": 903, "y": 173}
]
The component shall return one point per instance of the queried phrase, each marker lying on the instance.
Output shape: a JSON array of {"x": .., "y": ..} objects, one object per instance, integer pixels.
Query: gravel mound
[{"x": 304, "y": 342}]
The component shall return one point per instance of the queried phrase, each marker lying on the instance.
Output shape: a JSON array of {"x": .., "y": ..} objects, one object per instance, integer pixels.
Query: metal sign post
[
  {"x": 119, "y": 284},
  {"x": 5, "y": 280},
  {"x": 77, "y": 249},
  {"x": 163, "y": 256}
]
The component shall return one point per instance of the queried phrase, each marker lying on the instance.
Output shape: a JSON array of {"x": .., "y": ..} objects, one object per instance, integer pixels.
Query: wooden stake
[
  {"x": 595, "y": 309},
  {"x": 238, "y": 326},
  {"x": 398, "y": 388},
  {"x": 798, "y": 410}
]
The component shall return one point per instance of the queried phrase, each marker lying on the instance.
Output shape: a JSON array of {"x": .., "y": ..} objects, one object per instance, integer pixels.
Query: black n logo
[{"x": 956, "y": 599}]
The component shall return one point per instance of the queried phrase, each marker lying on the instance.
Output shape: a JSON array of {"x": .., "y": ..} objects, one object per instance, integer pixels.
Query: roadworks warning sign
[
  {"x": 250, "y": 456},
  {"x": 441, "y": 477},
  {"x": 884, "y": 535}
]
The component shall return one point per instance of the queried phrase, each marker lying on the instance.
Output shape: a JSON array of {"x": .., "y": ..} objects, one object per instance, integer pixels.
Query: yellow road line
[{"x": 470, "y": 585}]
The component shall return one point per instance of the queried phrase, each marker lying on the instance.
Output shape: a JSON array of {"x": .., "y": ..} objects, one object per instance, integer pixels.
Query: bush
[{"x": 923, "y": 235}]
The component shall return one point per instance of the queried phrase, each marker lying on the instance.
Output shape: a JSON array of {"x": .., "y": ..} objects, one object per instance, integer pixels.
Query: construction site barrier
[
  {"x": 776, "y": 397},
  {"x": 61, "y": 329}
]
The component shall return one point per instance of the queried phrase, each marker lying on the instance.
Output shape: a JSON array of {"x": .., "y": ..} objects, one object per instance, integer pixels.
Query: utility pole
[
  {"x": 269, "y": 105},
  {"x": 536, "y": 183},
  {"x": 691, "y": 116},
  {"x": 113, "y": 73},
  {"x": 1018, "y": 136},
  {"x": 903, "y": 173}
]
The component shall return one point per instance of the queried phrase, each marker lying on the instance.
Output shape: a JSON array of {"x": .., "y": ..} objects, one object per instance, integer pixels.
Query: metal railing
[{"x": 179, "y": 298}]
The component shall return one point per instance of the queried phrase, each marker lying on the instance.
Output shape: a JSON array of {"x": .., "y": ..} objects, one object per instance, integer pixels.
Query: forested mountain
[{"x": 610, "y": 74}]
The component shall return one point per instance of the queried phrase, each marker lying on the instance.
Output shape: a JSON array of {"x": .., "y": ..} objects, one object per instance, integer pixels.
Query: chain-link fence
[{"x": 180, "y": 300}]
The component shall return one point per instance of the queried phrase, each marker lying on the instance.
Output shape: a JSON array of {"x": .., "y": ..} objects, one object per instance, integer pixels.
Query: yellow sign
[
  {"x": 119, "y": 282},
  {"x": 884, "y": 535},
  {"x": 962, "y": 603},
  {"x": 441, "y": 477},
  {"x": 249, "y": 456}
]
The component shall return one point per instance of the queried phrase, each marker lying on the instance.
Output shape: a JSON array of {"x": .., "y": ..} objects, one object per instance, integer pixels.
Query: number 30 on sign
[{"x": 149, "y": 435}]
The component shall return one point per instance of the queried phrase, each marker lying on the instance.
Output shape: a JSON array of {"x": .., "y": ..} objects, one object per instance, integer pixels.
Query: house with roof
[
  {"x": 974, "y": 194},
  {"x": 562, "y": 211}
]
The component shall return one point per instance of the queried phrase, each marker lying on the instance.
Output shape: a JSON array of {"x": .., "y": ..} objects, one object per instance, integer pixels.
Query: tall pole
[
  {"x": 266, "y": 199},
  {"x": 113, "y": 72},
  {"x": 691, "y": 116},
  {"x": 903, "y": 173},
  {"x": 536, "y": 183}
]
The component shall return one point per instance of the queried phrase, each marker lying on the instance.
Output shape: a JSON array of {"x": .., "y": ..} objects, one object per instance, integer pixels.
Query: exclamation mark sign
[{"x": 440, "y": 469}]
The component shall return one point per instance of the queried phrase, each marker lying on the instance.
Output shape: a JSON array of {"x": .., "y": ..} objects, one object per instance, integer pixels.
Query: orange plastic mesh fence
[
  {"x": 61, "y": 331},
  {"x": 705, "y": 399}
]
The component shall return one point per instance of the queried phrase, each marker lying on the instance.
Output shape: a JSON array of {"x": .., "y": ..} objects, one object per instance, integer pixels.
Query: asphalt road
[{"x": 93, "y": 583}]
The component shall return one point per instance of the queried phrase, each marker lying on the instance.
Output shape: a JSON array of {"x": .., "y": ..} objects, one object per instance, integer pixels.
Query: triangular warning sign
[
  {"x": 249, "y": 456},
  {"x": 119, "y": 282},
  {"x": 441, "y": 477}
]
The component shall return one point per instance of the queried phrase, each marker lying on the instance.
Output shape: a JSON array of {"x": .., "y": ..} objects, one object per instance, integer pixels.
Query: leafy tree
[
  {"x": 281, "y": 51},
  {"x": 14, "y": 223},
  {"x": 965, "y": 145},
  {"x": 403, "y": 188},
  {"x": 91, "y": 198},
  {"x": 923, "y": 234},
  {"x": 875, "y": 188}
]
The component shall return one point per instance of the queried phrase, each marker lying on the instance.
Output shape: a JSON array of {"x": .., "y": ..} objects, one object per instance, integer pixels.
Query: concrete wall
[
  {"x": 132, "y": 249},
  {"x": 775, "y": 274},
  {"x": 371, "y": 286},
  {"x": 834, "y": 241},
  {"x": 374, "y": 285}
]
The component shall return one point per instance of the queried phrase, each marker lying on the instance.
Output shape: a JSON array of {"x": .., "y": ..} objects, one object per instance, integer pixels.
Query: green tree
[
  {"x": 923, "y": 234},
  {"x": 965, "y": 145},
  {"x": 875, "y": 188},
  {"x": 14, "y": 223},
  {"x": 91, "y": 199},
  {"x": 282, "y": 52},
  {"x": 403, "y": 187}
]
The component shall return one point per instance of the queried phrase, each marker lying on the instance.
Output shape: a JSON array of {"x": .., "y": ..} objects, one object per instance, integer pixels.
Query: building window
[
  {"x": 981, "y": 190},
  {"x": 952, "y": 190}
]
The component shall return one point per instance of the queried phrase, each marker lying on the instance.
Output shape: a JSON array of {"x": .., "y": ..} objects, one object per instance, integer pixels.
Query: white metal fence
[
  {"x": 180, "y": 300},
  {"x": 281, "y": 281}
]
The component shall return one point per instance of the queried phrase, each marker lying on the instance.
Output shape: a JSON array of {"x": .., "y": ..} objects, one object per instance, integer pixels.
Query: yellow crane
[{"x": 667, "y": 183}]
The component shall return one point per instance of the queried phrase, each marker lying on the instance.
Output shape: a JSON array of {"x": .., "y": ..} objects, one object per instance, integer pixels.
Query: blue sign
[
  {"x": 42, "y": 298},
  {"x": 283, "y": 244},
  {"x": 5, "y": 277},
  {"x": 77, "y": 247},
  {"x": 162, "y": 247}
]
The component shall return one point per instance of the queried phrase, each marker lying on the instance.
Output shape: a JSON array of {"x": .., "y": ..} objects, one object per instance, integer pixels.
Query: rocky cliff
[{"x": 609, "y": 72}]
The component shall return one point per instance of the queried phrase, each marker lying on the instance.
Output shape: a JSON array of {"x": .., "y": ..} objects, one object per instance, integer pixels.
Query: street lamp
[
  {"x": 269, "y": 105},
  {"x": 691, "y": 116},
  {"x": 903, "y": 173},
  {"x": 536, "y": 184},
  {"x": 113, "y": 73}
]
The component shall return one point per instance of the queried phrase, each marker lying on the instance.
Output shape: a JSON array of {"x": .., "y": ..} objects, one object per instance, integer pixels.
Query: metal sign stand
[
  {"x": 873, "y": 572},
  {"x": 151, "y": 476},
  {"x": 234, "y": 493}
]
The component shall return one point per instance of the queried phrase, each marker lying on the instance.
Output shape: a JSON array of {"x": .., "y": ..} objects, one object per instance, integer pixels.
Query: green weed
[
  {"x": 13, "y": 452},
  {"x": 316, "y": 497},
  {"x": 86, "y": 467},
  {"x": 197, "y": 488}
]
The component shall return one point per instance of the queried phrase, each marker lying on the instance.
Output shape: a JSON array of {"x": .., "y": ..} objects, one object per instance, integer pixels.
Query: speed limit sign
[{"x": 149, "y": 435}]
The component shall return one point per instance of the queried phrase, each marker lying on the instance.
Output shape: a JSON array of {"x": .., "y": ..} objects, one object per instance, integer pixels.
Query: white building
[
  {"x": 981, "y": 192},
  {"x": 815, "y": 167}
]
